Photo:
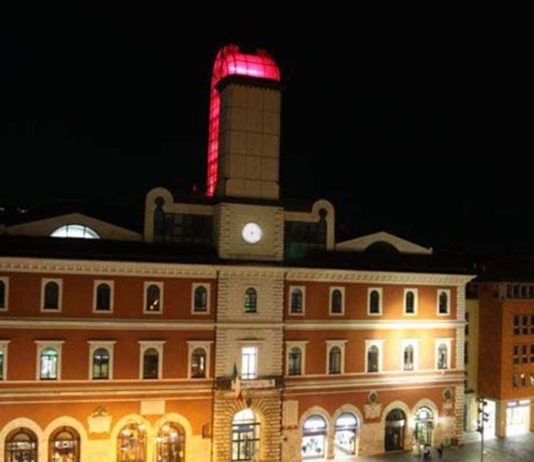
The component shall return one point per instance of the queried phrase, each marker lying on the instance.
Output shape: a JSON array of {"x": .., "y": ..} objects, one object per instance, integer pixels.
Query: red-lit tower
[{"x": 244, "y": 124}]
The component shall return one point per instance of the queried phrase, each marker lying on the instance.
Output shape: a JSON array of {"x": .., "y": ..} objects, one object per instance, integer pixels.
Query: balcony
[{"x": 260, "y": 383}]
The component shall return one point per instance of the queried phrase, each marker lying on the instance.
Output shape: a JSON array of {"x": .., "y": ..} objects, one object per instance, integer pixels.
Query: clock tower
[{"x": 243, "y": 155}]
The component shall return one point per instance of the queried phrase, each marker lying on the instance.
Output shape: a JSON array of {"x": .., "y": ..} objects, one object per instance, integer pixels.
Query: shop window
[
  {"x": 64, "y": 445},
  {"x": 21, "y": 446},
  {"x": 131, "y": 443},
  {"x": 314, "y": 438},
  {"x": 346, "y": 430},
  {"x": 170, "y": 443}
]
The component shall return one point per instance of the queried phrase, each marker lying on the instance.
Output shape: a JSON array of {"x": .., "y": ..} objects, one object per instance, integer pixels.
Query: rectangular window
[
  {"x": 524, "y": 354},
  {"x": 3, "y": 359},
  {"x": 297, "y": 299},
  {"x": 153, "y": 299},
  {"x": 516, "y": 355},
  {"x": 444, "y": 301},
  {"x": 249, "y": 358},
  {"x": 410, "y": 301},
  {"x": 337, "y": 300},
  {"x": 524, "y": 329},
  {"x": 51, "y": 294},
  {"x": 103, "y": 296},
  {"x": 49, "y": 359},
  {"x": 374, "y": 301},
  {"x": 4, "y": 293},
  {"x": 517, "y": 325},
  {"x": 101, "y": 359}
]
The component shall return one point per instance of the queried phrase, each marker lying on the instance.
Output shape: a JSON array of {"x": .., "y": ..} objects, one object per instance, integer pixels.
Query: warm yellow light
[{"x": 166, "y": 428}]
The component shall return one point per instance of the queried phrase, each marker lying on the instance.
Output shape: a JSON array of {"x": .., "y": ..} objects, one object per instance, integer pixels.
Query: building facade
[
  {"x": 506, "y": 344},
  {"x": 232, "y": 327}
]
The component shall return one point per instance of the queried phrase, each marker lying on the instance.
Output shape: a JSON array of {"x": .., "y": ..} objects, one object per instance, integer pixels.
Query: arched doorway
[
  {"x": 424, "y": 424},
  {"x": 64, "y": 445},
  {"x": 314, "y": 437},
  {"x": 395, "y": 430},
  {"x": 170, "y": 443},
  {"x": 245, "y": 436},
  {"x": 346, "y": 432},
  {"x": 131, "y": 443},
  {"x": 21, "y": 446}
]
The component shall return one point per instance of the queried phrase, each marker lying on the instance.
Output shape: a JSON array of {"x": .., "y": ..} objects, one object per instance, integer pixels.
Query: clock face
[{"x": 251, "y": 233}]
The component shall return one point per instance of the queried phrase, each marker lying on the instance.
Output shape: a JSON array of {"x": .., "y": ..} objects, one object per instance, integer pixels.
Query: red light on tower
[{"x": 231, "y": 61}]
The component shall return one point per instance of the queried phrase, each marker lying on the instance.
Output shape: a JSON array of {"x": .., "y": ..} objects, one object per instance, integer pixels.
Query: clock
[{"x": 252, "y": 233}]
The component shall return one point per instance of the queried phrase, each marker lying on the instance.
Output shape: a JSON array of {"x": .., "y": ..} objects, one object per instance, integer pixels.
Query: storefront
[
  {"x": 395, "y": 428},
  {"x": 314, "y": 436},
  {"x": 345, "y": 436},
  {"x": 517, "y": 417},
  {"x": 424, "y": 424}
]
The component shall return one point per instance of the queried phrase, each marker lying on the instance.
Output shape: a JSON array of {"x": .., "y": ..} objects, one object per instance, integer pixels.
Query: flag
[{"x": 236, "y": 384}]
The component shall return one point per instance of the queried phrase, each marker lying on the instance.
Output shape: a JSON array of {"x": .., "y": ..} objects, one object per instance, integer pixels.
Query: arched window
[
  {"x": 374, "y": 302},
  {"x": 51, "y": 296},
  {"x": 336, "y": 302},
  {"x": 296, "y": 301},
  {"x": 64, "y": 445},
  {"x": 76, "y": 231},
  {"x": 395, "y": 430},
  {"x": 201, "y": 299},
  {"x": 251, "y": 297},
  {"x": 408, "y": 358},
  {"x": 151, "y": 364},
  {"x": 334, "y": 360},
  {"x": 153, "y": 299},
  {"x": 170, "y": 443},
  {"x": 295, "y": 361},
  {"x": 198, "y": 363},
  {"x": 101, "y": 364},
  {"x": 2, "y": 363},
  {"x": 2, "y": 294},
  {"x": 346, "y": 429},
  {"x": 21, "y": 446},
  {"x": 245, "y": 436},
  {"x": 131, "y": 444},
  {"x": 372, "y": 358},
  {"x": 409, "y": 303},
  {"x": 443, "y": 302},
  {"x": 443, "y": 357},
  {"x": 314, "y": 439},
  {"x": 103, "y": 297},
  {"x": 49, "y": 363},
  {"x": 424, "y": 424}
]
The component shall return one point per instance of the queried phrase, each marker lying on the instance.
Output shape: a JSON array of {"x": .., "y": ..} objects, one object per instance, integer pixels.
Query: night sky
[{"x": 423, "y": 132}]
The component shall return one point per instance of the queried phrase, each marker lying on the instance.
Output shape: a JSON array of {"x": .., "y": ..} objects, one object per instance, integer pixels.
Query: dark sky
[{"x": 422, "y": 131}]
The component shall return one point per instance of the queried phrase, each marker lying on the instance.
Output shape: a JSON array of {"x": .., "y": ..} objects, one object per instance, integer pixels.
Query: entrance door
[
  {"x": 395, "y": 430},
  {"x": 517, "y": 420}
]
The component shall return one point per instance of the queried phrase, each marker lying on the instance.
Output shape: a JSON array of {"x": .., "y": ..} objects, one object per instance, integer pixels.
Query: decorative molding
[
  {"x": 390, "y": 324},
  {"x": 99, "y": 421},
  {"x": 361, "y": 243}
]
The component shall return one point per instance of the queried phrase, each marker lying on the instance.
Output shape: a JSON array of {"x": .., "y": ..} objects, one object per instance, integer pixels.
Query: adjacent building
[{"x": 231, "y": 327}]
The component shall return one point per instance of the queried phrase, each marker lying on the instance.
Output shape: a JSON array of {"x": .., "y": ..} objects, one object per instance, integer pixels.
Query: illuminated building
[
  {"x": 231, "y": 327},
  {"x": 506, "y": 344}
]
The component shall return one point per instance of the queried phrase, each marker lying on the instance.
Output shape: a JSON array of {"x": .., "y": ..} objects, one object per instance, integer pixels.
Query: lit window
[
  {"x": 170, "y": 443},
  {"x": 198, "y": 363},
  {"x": 200, "y": 299},
  {"x": 49, "y": 364},
  {"x": 51, "y": 294},
  {"x": 103, "y": 296},
  {"x": 21, "y": 445},
  {"x": 346, "y": 429},
  {"x": 131, "y": 443},
  {"x": 249, "y": 358},
  {"x": 245, "y": 436},
  {"x": 3, "y": 360},
  {"x": 408, "y": 358},
  {"x": 336, "y": 301},
  {"x": 153, "y": 297},
  {"x": 295, "y": 361},
  {"x": 251, "y": 298},
  {"x": 101, "y": 360},
  {"x": 444, "y": 301},
  {"x": 314, "y": 437},
  {"x": 297, "y": 300},
  {"x": 65, "y": 445},
  {"x": 410, "y": 301},
  {"x": 443, "y": 356},
  {"x": 76, "y": 231},
  {"x": 375, "y": 301}
]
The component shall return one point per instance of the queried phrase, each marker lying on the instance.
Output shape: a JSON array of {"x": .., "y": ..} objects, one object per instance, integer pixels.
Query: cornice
[
  {"x": 377, "y": 277},
  {"x": 390, "y": 324}
]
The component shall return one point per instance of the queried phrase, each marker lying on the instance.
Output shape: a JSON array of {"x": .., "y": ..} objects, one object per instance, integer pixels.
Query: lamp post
[{"x": 483, "y": 417}]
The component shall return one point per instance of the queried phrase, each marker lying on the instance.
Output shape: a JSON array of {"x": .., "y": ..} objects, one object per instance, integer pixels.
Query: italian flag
[{"x": 236, "y": 384}]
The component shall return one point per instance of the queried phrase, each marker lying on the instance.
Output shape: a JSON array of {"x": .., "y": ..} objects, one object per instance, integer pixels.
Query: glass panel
[
  {"x": 103, "y": 297},
  {"x": 170, "y": 443},
  {"x": 314, "y": 437},
  {"x": 245, "y": 436},
  {"x": 49, "y": 363},
  {"x": 374, "y": 302},
  {"x": 151, "y": 364},
  {"x": 101, "y": 364},
  {"x": 51, "y": 300},
  {"x": 248, "y": 363},
  {"x": 250, "y": 300},
  {"x": 76, "y": 231},
  {"x": 334, "y": 364},
  {"x": 198, "y": 364},
  {"x": 131, "y": 444},
  {"x": 410, "y": 302},
  {"x": 21, "y": 446},
  {"x": 201, "y": 299},
  {"x": 295, "y": 361},
  {"x": 442, "y": 357},
  {"x": 296, "y": 301},
  {"x": 443, "y": 302},
  {"x": 337, "y": 301},
  {"x": 408, "y": 358},
  {"x": 64, "y": 446},
  {"x": 153, "y": 298},
  {"x": 372, "y": 359}
]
